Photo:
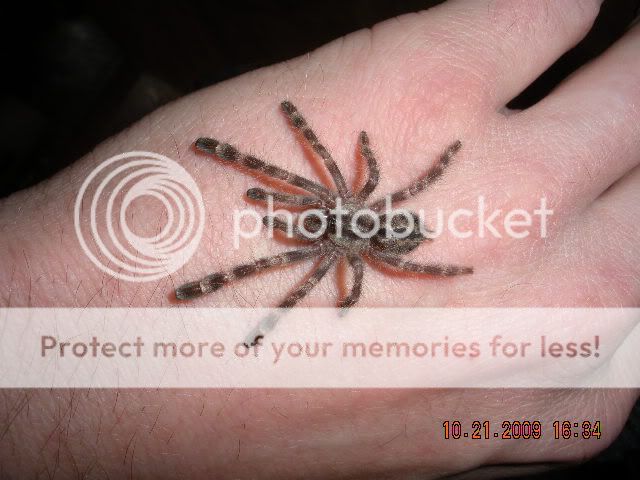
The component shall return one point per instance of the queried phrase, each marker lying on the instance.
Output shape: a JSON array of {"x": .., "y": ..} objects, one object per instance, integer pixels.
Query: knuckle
[{"x": 562, "y": 16}]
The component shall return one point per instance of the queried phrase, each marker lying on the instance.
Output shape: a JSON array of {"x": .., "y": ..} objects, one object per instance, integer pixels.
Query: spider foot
[{"x": 256, "y": 341}]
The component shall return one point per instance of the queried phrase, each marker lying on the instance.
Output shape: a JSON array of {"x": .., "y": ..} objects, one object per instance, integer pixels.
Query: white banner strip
[{"x": 385, "y": 348}]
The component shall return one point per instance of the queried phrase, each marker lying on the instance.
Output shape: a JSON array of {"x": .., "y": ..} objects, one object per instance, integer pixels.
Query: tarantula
[{"x": 333, "y": 233}]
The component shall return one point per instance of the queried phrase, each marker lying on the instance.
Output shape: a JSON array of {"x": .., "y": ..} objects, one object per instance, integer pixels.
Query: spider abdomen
[{"x": 399, "y": 233}]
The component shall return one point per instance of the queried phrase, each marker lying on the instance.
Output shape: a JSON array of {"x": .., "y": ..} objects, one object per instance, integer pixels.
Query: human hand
[{"x": 415, "y": 84}]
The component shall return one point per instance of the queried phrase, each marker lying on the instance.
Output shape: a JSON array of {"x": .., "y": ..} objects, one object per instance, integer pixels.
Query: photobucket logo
[
  {"x": 100, "y": 216},
  {"x": 352, "y": 221}
]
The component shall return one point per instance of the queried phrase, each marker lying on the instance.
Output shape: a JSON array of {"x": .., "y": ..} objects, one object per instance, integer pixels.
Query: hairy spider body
[{"x": 345, "y": 226}]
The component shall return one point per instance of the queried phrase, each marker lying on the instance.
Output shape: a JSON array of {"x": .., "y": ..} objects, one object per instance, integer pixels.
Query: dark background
[{"x": 78, "y": 72}]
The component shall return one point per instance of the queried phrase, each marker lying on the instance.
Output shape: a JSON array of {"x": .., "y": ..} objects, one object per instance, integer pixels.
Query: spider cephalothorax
[{"x": 344, "y": 224}]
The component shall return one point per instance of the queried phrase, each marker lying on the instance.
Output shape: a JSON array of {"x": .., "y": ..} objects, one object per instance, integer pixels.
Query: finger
[
  {"x": 612, "y": 228},
  {"x": 510, "y": 43},
  {"x": 626, "y": 189},
  {"x": 621, "y": 205},
  {"x": 588, "y": 129}
]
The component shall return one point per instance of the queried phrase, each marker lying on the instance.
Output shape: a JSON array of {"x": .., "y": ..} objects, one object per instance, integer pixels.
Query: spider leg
[
  {"x": 299, "y": 122},
  {"x": 357, "y": 265},
  {"x": 214, "y": 281},
  {"x": 320, "y": 271},
  {"x": 231, "y": 153},
  {"x": 437, "y": 269},
  {"x": 372, "y": 165},
  {"x": 282, "y": 225},
  {"x": 433, "y": 174},
  {"x": 287, "y": 198},
  {"x": 292, "y": 299}
]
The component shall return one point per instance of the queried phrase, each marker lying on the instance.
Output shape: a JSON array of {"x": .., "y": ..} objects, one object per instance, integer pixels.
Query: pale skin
[{"x": 415, "y": 84}]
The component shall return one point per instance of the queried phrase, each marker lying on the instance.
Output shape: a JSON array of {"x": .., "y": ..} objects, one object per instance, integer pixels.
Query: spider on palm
[{"x": 341, "y": 228}]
